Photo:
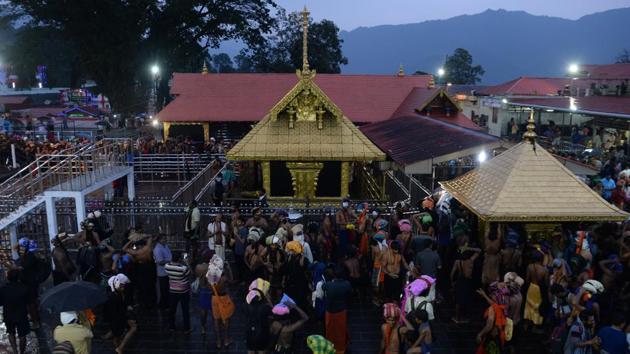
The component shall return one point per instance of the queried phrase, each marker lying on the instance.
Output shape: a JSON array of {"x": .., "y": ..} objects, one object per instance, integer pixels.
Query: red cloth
[
  {"x": 337, "y": 330},
  {"x": 618, "y": 197},
  {"x": 499, "y": 320}
]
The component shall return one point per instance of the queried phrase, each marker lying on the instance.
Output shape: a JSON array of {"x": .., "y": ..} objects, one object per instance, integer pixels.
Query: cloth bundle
[
  {"x": 257, "y": 287},
  {"x": 215, "y": 270}
]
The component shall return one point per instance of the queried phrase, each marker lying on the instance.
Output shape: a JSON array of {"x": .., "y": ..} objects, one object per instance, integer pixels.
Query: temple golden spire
[
  {"x": 401, "y": 70},
  {"x": 305, "y": 68},
  {"x": 530, "y": 134},
  {"x": 204, "y": 69}
]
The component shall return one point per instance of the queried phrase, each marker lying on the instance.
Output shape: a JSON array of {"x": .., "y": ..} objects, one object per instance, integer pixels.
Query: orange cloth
[
  {"x": 499, "y": 319},
  {"x": 337, "y": 330},
  {"x": 222, "y": 306}
]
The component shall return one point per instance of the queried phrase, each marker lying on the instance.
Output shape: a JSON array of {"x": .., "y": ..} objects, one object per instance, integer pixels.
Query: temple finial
[
  {"x": 204, "y": 69},
  {"x": 530, "y": 134},
  {"x": 401, "y": 70},
  {"x": 305, "y": 68}
]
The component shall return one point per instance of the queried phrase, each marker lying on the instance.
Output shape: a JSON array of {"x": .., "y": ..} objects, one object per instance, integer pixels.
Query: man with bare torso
[
  {"x": 491, "y": 258},
  {"x": 64, "y": 267},
  {"x": 537, "y": 277},
  {"x": 140, "y": 248},
  {"x": 461, "y": 277},
  {"x": 282, "y": 329}
]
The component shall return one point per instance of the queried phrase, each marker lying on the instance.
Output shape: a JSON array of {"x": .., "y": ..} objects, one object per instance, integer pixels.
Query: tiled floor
[{"x": 364, "y": 324}]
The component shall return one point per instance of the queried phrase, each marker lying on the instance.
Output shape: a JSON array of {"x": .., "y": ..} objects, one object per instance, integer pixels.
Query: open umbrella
[{"x": 73, "y": 296}]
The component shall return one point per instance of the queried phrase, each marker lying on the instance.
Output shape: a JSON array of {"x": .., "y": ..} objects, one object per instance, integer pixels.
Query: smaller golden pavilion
[
  {"x": 305, "y": 145},
  {"x": 527, "y": 184}
]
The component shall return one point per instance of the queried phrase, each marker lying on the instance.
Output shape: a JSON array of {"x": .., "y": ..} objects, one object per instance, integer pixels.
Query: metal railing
[
  {"x": 560, "y": 146},
  {"x": 204, "y": 190},
  {"x": 63, "y": 172},
  {"x": 191, "y": 189},
  {"x": 395, "y": 189},
  {"x": 370, "y": 186},
  {"x": 417, "y": 191},
  {"x": 170, "y": 167},
  {"x": 36, "y": 167}
]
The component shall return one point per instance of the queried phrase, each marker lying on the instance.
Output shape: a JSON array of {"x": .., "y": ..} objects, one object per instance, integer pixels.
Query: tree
[
  {"x": 282, "y": 50},
  {"x": 117, "y": 40},
  {"x": 459, "y": 69},
  {"x": 222, "y": 63},
  {"x": 33, "y": 47},
  {"x": 623, "y": 57}
]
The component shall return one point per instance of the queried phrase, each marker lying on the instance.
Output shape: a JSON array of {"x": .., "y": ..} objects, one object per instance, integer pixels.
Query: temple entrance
[
  {"x": 329, "y": 181},
  {"x": 194, "y": 131},
  {"x": 281, "y": 182}
]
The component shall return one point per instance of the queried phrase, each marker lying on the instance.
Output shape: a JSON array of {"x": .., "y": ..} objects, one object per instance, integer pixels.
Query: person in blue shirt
[
  {"x": 609, "y": 184},
  {"x": 613, "y": 338}
]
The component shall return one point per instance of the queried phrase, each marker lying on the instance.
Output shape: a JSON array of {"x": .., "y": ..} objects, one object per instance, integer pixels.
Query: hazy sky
[{"x": 349, "y": 14}]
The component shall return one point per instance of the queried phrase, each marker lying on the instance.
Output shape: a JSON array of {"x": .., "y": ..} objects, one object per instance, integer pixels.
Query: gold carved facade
[{"x": 304, "y": 176}]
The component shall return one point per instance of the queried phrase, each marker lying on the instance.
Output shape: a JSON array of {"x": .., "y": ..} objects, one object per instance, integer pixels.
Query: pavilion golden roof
[{"x": 527, "y": 184}]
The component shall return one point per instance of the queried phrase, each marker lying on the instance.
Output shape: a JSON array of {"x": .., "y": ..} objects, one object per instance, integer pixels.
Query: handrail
[
  {"x": 207, "y": 186},
  {"x": 35, "y": 166},
  {"x": 372, "y": 186},
  {"x": 399, "y": 184},
  {"x": 419, "y": 185},
  {"x": 193, "y": 180}
]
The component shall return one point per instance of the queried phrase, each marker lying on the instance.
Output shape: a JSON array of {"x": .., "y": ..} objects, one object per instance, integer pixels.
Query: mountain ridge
[{"x": 506, "y": 43}]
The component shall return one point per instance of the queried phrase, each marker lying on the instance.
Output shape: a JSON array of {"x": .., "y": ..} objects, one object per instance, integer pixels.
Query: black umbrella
[{"x": 73, "y": 296}]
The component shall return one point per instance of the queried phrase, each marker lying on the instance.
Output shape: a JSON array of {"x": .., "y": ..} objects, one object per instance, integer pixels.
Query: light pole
[
  {"x": 441, "y": 72},
  {"x": 574, "y": 71},
  {"x": 155, "y": 72}
]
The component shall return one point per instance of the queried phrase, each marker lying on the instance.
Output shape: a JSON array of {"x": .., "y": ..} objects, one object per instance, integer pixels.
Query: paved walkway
[{"x": 364, "y": 325}]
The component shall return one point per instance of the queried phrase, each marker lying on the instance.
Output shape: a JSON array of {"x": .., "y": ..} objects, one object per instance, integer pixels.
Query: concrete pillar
[
  {"x": 14, "y": 241},
  {"x": 131, "y": 187},
  {"x": 51, "y": 218},
  {"x": 79, "y": 200}
]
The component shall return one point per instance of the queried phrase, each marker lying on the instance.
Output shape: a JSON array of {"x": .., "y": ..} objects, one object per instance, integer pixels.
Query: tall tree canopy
[
  {"x": 623, "y": 57},
  {"x": 459, "y": 68},
  {"x": 282, "y": 50},
  {"x": 116, "y": 41}
]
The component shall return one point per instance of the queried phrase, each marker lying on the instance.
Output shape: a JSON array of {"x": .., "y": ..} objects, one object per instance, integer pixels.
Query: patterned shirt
[{"x": 178, "y": 277}]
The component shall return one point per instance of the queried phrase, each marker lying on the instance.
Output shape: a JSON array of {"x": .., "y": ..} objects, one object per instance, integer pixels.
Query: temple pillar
[
  {"x": 266, "y": 176},
  {"x": 206, "y": 132},
  {"x": 345, "y": 179},
  {"x": 167, "y": 127},
  {"x": 304, "y": 176}
]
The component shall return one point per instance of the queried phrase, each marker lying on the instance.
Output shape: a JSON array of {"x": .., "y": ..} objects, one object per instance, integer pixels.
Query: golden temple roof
[
  {"x": 338, "y": 140},
  {"x": 305, "y": 125},
  {"x": 527, "y": 184}
]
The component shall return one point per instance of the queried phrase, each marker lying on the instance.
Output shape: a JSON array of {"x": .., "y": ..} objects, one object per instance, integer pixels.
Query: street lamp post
[
  {"x": 441, "y": 72},
  {"x": 155, "y": 72},
  {"x": 574, "y": 71}
]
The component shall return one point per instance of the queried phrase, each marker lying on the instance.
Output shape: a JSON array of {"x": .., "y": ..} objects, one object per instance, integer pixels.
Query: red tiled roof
[
  {"x": 529, "y": 86},
  {"x": 13, "y": 99},
  {"x": 249, "y": 97},
  {"x": 608, "y": 71},
  {"x": 416, "y": 98},
  {"x": 458, "y": 119},
  {"x": 419, "y": 96},
  {"x": 416, "y": 138},
  {"x": 589, "y": 105}
]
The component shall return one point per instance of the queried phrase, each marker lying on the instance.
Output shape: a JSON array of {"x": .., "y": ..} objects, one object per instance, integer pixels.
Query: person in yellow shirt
[{"x": 73, "y": 332}]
